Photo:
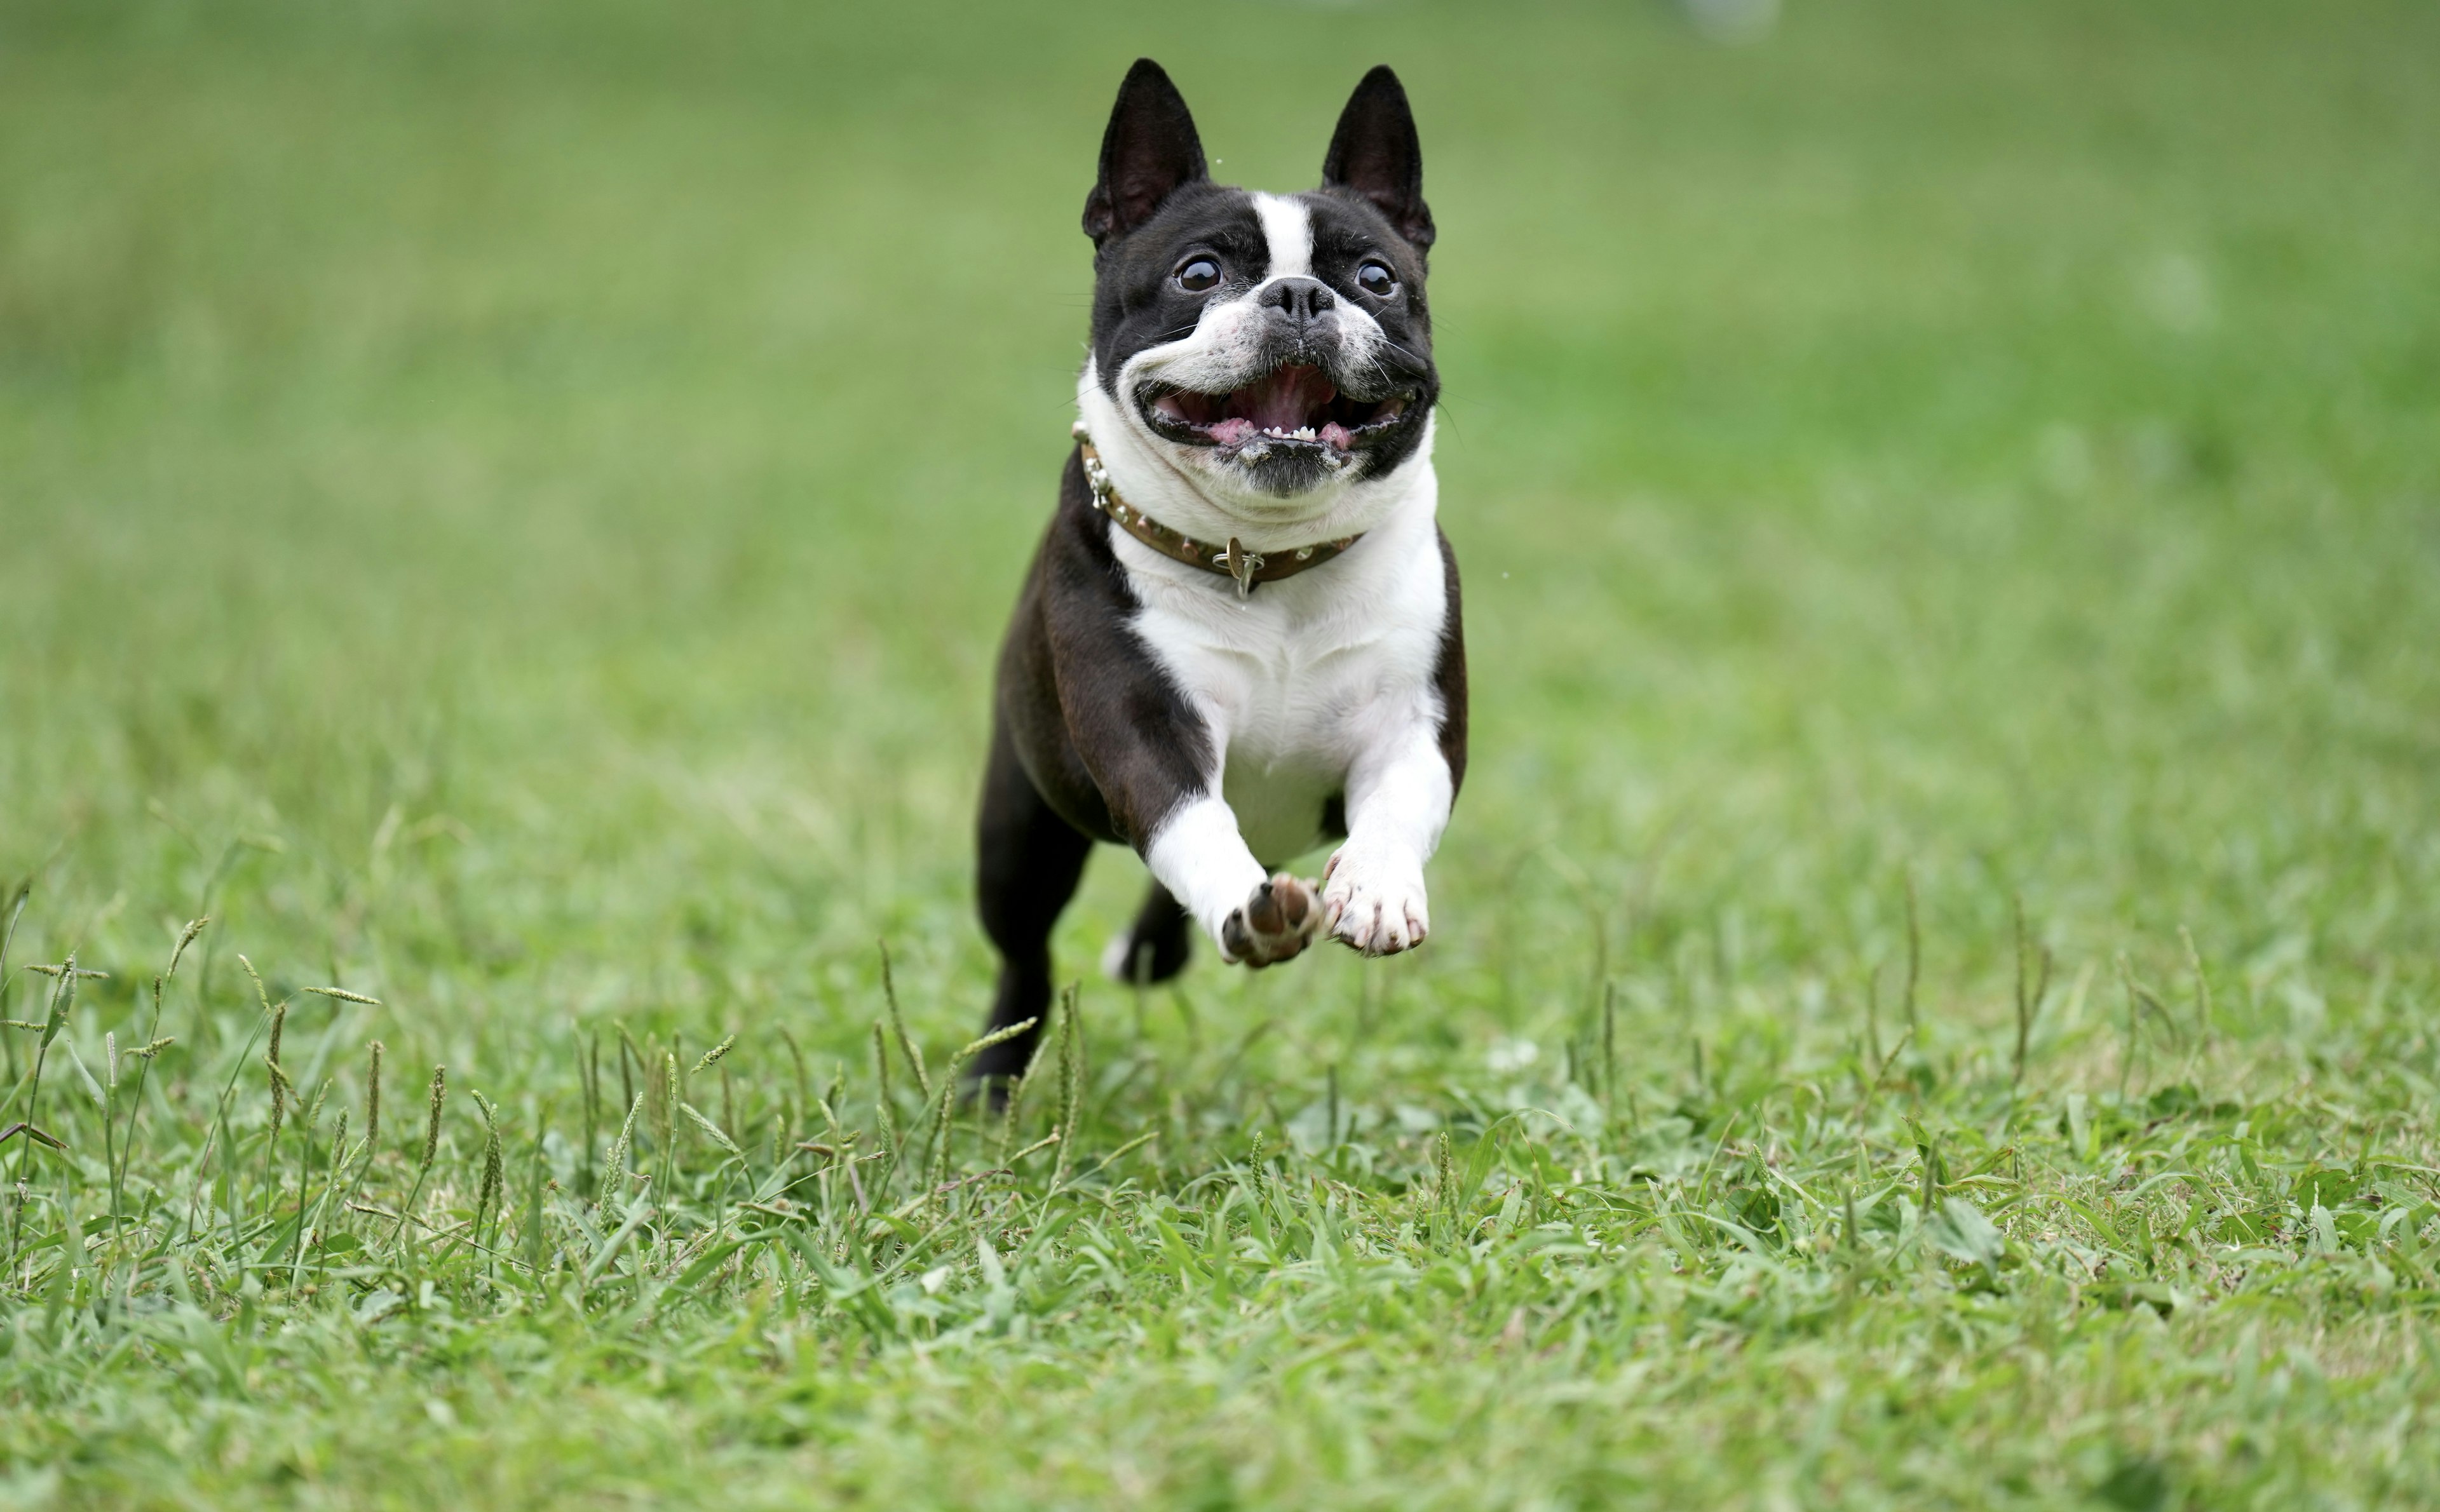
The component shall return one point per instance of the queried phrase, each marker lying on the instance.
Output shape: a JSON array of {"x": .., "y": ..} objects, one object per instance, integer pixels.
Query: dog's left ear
[{"x": 1374, "y": 152}]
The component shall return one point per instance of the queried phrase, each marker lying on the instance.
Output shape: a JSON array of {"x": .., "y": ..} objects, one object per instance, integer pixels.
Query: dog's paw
[
  {"x": 1277, "y": 922},
  {"x": 1374, "y": 904}
]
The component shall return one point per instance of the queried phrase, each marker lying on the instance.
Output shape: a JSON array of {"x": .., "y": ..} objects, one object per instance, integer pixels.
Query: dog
[{"x": 1240, "y": 637}]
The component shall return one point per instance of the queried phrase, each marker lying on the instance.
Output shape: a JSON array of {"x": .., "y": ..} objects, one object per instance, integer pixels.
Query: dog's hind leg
[
  {"x": 1155, "y": 946},
  {"x": 1029, "y": 861}
]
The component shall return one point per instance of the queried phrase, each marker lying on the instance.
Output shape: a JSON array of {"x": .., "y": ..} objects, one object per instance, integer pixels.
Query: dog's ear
[
  {"x": 1374, "y": 153},
  {"x": 1149, "y": 150}
]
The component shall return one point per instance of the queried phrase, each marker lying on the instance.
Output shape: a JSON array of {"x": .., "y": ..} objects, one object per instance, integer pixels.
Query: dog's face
[{"x": 1268, "y": 345}]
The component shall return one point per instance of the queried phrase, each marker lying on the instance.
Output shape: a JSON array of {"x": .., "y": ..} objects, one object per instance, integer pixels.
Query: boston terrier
[{"x": 1240, "y": 637}]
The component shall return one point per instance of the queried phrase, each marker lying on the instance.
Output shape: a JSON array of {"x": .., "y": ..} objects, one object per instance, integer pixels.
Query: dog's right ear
[
  {"x": 1375, "y": 153},
  {"x": 1149, "y": 150}
]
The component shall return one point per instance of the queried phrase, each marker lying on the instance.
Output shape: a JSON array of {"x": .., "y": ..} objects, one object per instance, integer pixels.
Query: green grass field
[{"x": 508, "y": 511}]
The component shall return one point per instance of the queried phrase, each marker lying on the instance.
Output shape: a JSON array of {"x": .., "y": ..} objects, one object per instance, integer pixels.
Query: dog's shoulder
[{"x": 1077, "y": 681}]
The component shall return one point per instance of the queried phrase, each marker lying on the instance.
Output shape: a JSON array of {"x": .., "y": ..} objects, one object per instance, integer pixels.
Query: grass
[{"x": 507, "y": 511}]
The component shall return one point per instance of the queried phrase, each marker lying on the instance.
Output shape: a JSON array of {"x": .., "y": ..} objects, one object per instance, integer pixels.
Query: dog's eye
[
  {"x": 1377, "y": 280},
  {"x": 1198, "y": 274}
]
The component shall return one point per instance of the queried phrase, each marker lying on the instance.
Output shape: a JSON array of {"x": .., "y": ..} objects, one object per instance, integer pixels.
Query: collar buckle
[{"x": 1238, "y": 563}]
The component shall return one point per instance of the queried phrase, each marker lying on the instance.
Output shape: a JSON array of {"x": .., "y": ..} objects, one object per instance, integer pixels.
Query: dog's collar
[{"x": 1245, "y": 568}]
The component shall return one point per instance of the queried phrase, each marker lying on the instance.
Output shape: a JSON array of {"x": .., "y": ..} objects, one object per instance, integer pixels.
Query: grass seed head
[
  {"x": 906, "y": 1044},
  {"x": 313, "y": 1114},
  {"x": 260, "y": 995},
  {"x": 63, "y": 980},
  {"x": 372, "y": 1093},
  {"x": 614, "y": 1165},
  {"x": 432, "y": 1125},
  {"x": 279, "y": 1016},
  {"x": 711, "y": 1131},
  {"x": 185, "y": 937},
  {"x": 671, "y": 1091},
  {"x": 659, "y": 1071},
  {"x": 490, "y": 1191},
  {"x": 344, "y": 996},
  {"x": 712, "y": 1057},
  {"x": 279, "y": 1090},
  {"x": 59, "y": 970}
]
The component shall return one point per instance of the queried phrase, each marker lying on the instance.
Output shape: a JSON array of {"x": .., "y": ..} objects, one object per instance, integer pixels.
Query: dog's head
[{"x": 1273, "y": 348}]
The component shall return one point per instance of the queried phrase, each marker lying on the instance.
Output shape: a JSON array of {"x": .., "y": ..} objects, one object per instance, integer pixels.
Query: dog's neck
[{"x": 1179, "y": 497}]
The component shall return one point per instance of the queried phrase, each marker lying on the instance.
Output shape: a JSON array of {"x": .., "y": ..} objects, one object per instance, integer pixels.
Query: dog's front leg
[
  {"x": 1198, "y": 854},
  {"x": 1155, "y": 758},
  {"x": 1397, "y": 805}
]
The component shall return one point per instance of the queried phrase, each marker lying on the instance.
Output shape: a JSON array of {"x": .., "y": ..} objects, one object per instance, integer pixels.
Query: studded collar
[{"x": 1245, "y": 568}]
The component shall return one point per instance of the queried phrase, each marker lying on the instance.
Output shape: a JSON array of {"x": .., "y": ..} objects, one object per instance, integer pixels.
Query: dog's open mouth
[{"x": 1292, "y": 404}]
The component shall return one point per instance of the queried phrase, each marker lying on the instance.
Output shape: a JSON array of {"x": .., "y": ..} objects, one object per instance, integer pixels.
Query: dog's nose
[{"x": 1302, "y": 300}]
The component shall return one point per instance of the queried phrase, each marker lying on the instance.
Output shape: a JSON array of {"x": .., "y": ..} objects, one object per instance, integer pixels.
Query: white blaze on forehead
[{"x": 1288, "y": 225}]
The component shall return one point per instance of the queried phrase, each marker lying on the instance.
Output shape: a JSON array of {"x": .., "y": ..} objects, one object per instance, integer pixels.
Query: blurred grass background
[
  {"x": 511, "y": 507},
  {"x": 1999, "y": 440}
]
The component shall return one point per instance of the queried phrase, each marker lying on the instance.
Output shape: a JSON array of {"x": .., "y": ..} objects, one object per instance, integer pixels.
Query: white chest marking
[{"x": 1309, "y": 678}]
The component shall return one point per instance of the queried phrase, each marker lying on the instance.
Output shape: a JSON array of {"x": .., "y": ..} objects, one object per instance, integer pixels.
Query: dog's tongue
[{"x": 1285, "y": 401}]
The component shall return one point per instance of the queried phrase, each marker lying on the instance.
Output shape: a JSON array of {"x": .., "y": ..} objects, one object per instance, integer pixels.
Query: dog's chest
[{"x": 1299, "y": 681}]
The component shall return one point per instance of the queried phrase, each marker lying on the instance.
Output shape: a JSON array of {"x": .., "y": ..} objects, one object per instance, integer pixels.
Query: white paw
[
  {"x": 1277, "y": 922},
  {"x": 1374, "y": 903}
]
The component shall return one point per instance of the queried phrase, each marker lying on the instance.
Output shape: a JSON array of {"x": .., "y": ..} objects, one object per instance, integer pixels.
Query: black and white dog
[{"x": 1240, "y": 637}]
